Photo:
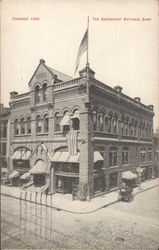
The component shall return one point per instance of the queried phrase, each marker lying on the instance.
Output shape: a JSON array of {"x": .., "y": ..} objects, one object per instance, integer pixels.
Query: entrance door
[
  {"x": 39, "y": 180},
  {"x": 68, "y": 185}
]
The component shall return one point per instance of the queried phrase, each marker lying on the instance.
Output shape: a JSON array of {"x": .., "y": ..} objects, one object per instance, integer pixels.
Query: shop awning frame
[
  {"x": 65, "y": 120},
  {"x": 38, "y": 168}
]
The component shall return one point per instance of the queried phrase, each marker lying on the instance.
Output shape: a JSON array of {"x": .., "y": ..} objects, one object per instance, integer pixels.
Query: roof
[{"x": 61, "y": 76}]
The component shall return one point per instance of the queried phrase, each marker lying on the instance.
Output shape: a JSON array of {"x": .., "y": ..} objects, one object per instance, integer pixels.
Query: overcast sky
[{"x": 120, "y": 52}]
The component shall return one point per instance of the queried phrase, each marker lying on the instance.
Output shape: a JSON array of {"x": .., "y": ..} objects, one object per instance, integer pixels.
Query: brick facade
[{"x": 111, "y": 124}]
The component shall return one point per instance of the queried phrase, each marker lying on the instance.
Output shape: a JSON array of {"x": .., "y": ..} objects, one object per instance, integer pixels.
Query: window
[
  {"x": 4, "y": 149},
  {"x": 149, "y": 154},
  {"x": 143, "y": 154},
  {"x": 44, "y": 92},
  {"x": 109, "y": 123},
  {"x": 115, "y": 124},
  {"x": 22, "y": 126},
  {"x": 125, "y": 153},
  {"x": 38, "y": 124},
  {"x": 37, "y": 94},
  {"x": 57, "y": 122},
  {"x": 46, "y": 123},
  {"x": 101, "y": 121},
  {"x": 126, "y": 128},
  {"x": 130, "y": 129},
  {"x": 16, "y": 127},
  {"x": 135, "y": 129},
  {"x": 94, "y": 118},
  {"x": 28, "y": 125},
  {"x": 113, "y": 155},
  {"x": 75, "y": 120},
  {"x": 4, "y": 131},
  {"x": 106, "y": 124}
]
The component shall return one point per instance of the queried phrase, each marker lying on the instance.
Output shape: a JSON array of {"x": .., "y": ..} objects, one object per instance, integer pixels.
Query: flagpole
[{"x": 87, "y": 40}]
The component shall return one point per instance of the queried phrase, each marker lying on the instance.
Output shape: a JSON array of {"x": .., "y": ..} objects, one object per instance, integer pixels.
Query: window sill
[{"x": 24, "y": 135}]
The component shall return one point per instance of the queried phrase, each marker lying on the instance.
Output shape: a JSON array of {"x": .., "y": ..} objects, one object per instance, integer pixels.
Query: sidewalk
[{"x": 64, "y": 201}]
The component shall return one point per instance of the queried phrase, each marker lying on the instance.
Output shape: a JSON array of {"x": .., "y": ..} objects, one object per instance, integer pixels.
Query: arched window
[
  {"x": 106, "y": 124},
  {"x": 113, "y": 156},
  {"x": 38, "y": 124},
  {"x": 75, "y": 120},
  {"x": 94, "y": 118},
  {"x": 46, "y": 123},
  {"x": 109, "y": 122},
  {"x": 22, "y": 126},
  {"x": 29, "y": 125},
  {"x": 125, "y": 154},
  {"x": 66, "y": 122},
  {"x": 115, "y": 121},
  {"x": 57, "y": 121},
  {"x": 130, "y": 129},
  {"x": 37, "y": 94},
  {"x": 16, "y": 127},
  {"x": 101, "y": 121},
  {"x": 44, "y": 89}
]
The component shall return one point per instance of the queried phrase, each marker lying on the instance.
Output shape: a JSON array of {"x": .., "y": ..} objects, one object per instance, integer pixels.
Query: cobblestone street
[{"x": 132, "y": 225}]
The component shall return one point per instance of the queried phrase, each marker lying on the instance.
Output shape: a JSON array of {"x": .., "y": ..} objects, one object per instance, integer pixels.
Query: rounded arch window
[
  {"x": 46, "y": 123},
  {"x": 101, "y": 121},
  {"x": 57, "y": 121},
  {"x": 22, "y": 126},
  {"x": 29, "y": 125},
  {"x": 113, "y": 156},
  {"x": 75, "y": 120},
  {"x": 16, "y": 127},
  {"x": 94, "y": 118},
  {"x": 38, "y": 124},
  {"x": 109, "y": 122},
  {"x": 37, "y": 94},
  {"x": 44, "y": 91}
]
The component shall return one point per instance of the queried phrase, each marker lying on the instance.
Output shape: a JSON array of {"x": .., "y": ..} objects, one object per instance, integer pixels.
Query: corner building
[{"x": 78, "y": 135}]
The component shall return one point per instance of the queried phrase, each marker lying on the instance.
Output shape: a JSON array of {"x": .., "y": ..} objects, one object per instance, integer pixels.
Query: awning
[
  {"x": 14, "y": 174},
  {"x": 128, "y": 175},
  {"x": 26, "y": 155},
  {"x": 76, "y": 115},
  {"x": 25, "y": 176},
  {"x": 65, "y": 120},
  {"x": 21, "y": 154},
  {"x": 63, "y": 157},
  {"x": 38, "y": 168},
  {"x": 74, "y": 158},
  {"x": 56, "y": 156},
  {"x": 16, "y": 155},
  {"x": 97, "y": 156}
]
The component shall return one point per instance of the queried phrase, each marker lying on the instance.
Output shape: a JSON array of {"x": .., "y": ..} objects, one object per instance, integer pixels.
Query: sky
[{"x": 123, "y": 43}]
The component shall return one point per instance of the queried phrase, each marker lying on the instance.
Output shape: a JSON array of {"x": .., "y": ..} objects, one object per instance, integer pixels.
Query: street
[{"x": 133, "y": 225}]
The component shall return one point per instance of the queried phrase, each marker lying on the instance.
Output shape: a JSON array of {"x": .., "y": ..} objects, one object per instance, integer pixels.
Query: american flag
[{"x": 82, "y": 48}]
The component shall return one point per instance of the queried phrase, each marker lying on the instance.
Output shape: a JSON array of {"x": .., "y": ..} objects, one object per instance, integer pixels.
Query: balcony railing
[
  {"x": 67, "y": 84},
  {"x": 105, "y": 135}
]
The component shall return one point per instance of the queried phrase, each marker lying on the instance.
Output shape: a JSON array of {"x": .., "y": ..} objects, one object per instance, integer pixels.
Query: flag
[{"x": 82, "y": 48}]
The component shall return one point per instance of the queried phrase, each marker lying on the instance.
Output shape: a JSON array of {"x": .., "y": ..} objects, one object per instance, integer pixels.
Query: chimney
[
  {"x": 118, "y": 88},
  {"x": 13, "y": 94},
  {"x": 150, "y": 107},
  {"x": 137, "y": 99},
  {"x": 42, "y": 61}
]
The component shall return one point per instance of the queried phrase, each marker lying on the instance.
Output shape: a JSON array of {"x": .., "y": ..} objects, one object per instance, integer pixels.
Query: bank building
[{"x": 77, "y": 135}]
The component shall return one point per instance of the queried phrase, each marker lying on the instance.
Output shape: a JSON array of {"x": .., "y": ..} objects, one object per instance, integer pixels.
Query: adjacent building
[
  {"x": 4, "y": 118},
  {"x": 78, "y": 135}
]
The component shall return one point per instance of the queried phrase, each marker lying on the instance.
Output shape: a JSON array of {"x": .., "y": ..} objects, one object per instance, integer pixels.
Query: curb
[{"x": 74, "y": 212}]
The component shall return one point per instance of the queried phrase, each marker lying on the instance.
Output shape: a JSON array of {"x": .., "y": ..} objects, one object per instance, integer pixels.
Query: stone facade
[{"x": 107, "y": 131}]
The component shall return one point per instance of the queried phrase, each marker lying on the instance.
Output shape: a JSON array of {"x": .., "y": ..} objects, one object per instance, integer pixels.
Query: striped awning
[
  {"x": 21, "y": 154},
  {"x": 25, "y": 176},
  {"x": 38, "y": 168},
  {"x": 14, "y": 174},
  {"x": 64, "y": 157},
  {"x": 74, "y": 158},
  {"x": 65, "y": 120},
  {"x": 56, "y": 156},
  {"x": 97, "y": 156}
]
